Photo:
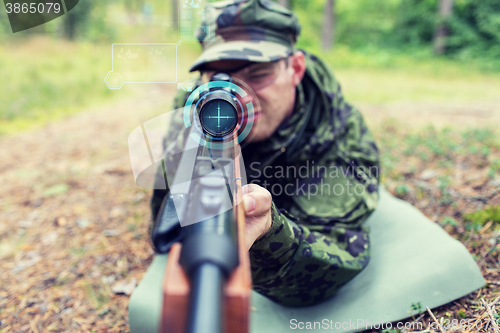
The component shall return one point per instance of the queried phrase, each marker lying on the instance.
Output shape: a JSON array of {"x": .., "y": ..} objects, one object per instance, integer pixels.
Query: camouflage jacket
[{"x": 321, "y": 167}]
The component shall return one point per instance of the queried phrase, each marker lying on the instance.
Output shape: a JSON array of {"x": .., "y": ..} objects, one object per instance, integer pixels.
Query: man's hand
[{"x": 258, "y": 218}]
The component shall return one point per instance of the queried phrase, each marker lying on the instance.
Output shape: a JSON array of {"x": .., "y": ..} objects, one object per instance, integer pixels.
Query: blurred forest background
[
  {"x": 434, "y": 37},
  {"x": 73, "y": 224}
]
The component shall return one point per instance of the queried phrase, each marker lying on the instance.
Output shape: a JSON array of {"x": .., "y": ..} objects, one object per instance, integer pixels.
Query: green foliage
[
  {"x": 484, "y": 136},
  {"x": 417, "y": 307},
  {"x": 444, "y": 183},
  {"x": 475, "y": 226},
  {"x": 391, "y": 330},
  {"x": 99, "y": 29},
  {"x": 420, "y": 155},
  {"x": 359, "y": 24},
  {"x": 494, "y": 168},
  {"x": 364, "y": 22},
  {"x": 402, "y": 190},
  {"x": 406, "y": 27},
  {"x": 55, "y": 190},
  {"x": 59, "y": 80},
  {"x": 449, "y": 221},
  {"x": 474, "y": 26},
  {"x": 87, "y": 21},
  {"x": 481, "y": 217},
  {"x": 477, "y": 144},
  {"x": 388, "y": 162},
  {"x": 416, "y": 22},
  {"x": 4, "y": 26},
  {"x": 310, "y": 24}
]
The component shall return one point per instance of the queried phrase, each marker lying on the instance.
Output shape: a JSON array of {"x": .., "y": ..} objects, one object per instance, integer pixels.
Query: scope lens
[{"x": 218, "y": 117}]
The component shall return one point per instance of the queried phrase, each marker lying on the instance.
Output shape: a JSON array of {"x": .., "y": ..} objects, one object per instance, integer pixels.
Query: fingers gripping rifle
[{"x": 207, "y": 283}]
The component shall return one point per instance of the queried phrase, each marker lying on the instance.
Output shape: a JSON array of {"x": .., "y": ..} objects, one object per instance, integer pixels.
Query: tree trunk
[
  {"x": 445, "y": 10},
  {"x": 175, "y": 14},
  {"x": 284, "y": 3},
  {"x": 328, "y": 37},
  {"x": 70, "y": 26}
]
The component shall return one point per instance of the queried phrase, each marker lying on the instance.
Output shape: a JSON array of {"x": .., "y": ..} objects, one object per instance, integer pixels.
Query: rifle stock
[{"x": 236, "y": 289}]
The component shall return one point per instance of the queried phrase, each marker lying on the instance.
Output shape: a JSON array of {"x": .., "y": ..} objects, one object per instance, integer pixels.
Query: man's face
[{"x": 273, "y": 83}]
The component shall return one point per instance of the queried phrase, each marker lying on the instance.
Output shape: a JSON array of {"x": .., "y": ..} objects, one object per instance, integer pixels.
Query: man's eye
[
  {"x": 259, "y": 76},
  {"x": 206, "y": 76}
]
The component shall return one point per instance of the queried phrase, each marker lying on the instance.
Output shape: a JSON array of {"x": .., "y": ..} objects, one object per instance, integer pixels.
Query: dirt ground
[{"x": 74, "y": 226}]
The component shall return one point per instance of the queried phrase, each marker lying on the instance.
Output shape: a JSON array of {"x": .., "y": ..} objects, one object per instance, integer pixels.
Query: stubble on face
[{"x": 276, "y": 103}]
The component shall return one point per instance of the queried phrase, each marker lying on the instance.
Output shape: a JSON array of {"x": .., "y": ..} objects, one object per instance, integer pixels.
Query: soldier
[{"x": 312, "y": 164}]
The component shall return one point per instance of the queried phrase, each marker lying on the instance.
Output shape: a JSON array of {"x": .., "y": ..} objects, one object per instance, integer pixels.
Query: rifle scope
[{"x": 218, "y": 112}]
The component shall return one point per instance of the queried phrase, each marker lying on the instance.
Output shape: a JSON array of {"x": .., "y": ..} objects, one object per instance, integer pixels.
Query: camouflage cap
[{"x": 253, "y": 30}]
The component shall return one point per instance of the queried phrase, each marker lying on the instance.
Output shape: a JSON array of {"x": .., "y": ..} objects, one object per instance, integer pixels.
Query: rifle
[{"x": 207, "y": 283}]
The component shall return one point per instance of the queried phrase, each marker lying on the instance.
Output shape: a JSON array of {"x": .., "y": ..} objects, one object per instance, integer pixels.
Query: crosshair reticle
[{"x": 218, "y": 117}]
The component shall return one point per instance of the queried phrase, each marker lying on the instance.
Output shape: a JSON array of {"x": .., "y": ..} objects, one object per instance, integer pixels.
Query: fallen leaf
[
  {"x": 83, "y": 223},
  {"x": 122, "y": 287},
  {"x": 55, "y": 190},
  {"x": 61, "y": 222},
  {"x": 110, "y": 233},
  {"x": 428, "y": 174}
]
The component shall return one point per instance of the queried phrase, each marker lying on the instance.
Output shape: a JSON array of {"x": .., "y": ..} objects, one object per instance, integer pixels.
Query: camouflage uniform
[{"x": 317, "y": 241}]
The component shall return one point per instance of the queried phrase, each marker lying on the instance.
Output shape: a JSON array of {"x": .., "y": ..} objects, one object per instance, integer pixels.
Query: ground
[{"x": 74, "y": 226}]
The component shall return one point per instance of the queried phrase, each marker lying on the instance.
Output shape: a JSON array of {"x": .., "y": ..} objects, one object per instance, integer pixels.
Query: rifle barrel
[
  {"x": 210, "y": 251},
  {"x": 205, "y": 313}
]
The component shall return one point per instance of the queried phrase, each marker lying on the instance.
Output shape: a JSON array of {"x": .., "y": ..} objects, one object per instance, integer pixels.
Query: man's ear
[{"x": 298, "y": 65}]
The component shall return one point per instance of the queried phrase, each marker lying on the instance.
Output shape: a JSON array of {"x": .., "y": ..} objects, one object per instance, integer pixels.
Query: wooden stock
[{"x": 236, "y": 291}]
